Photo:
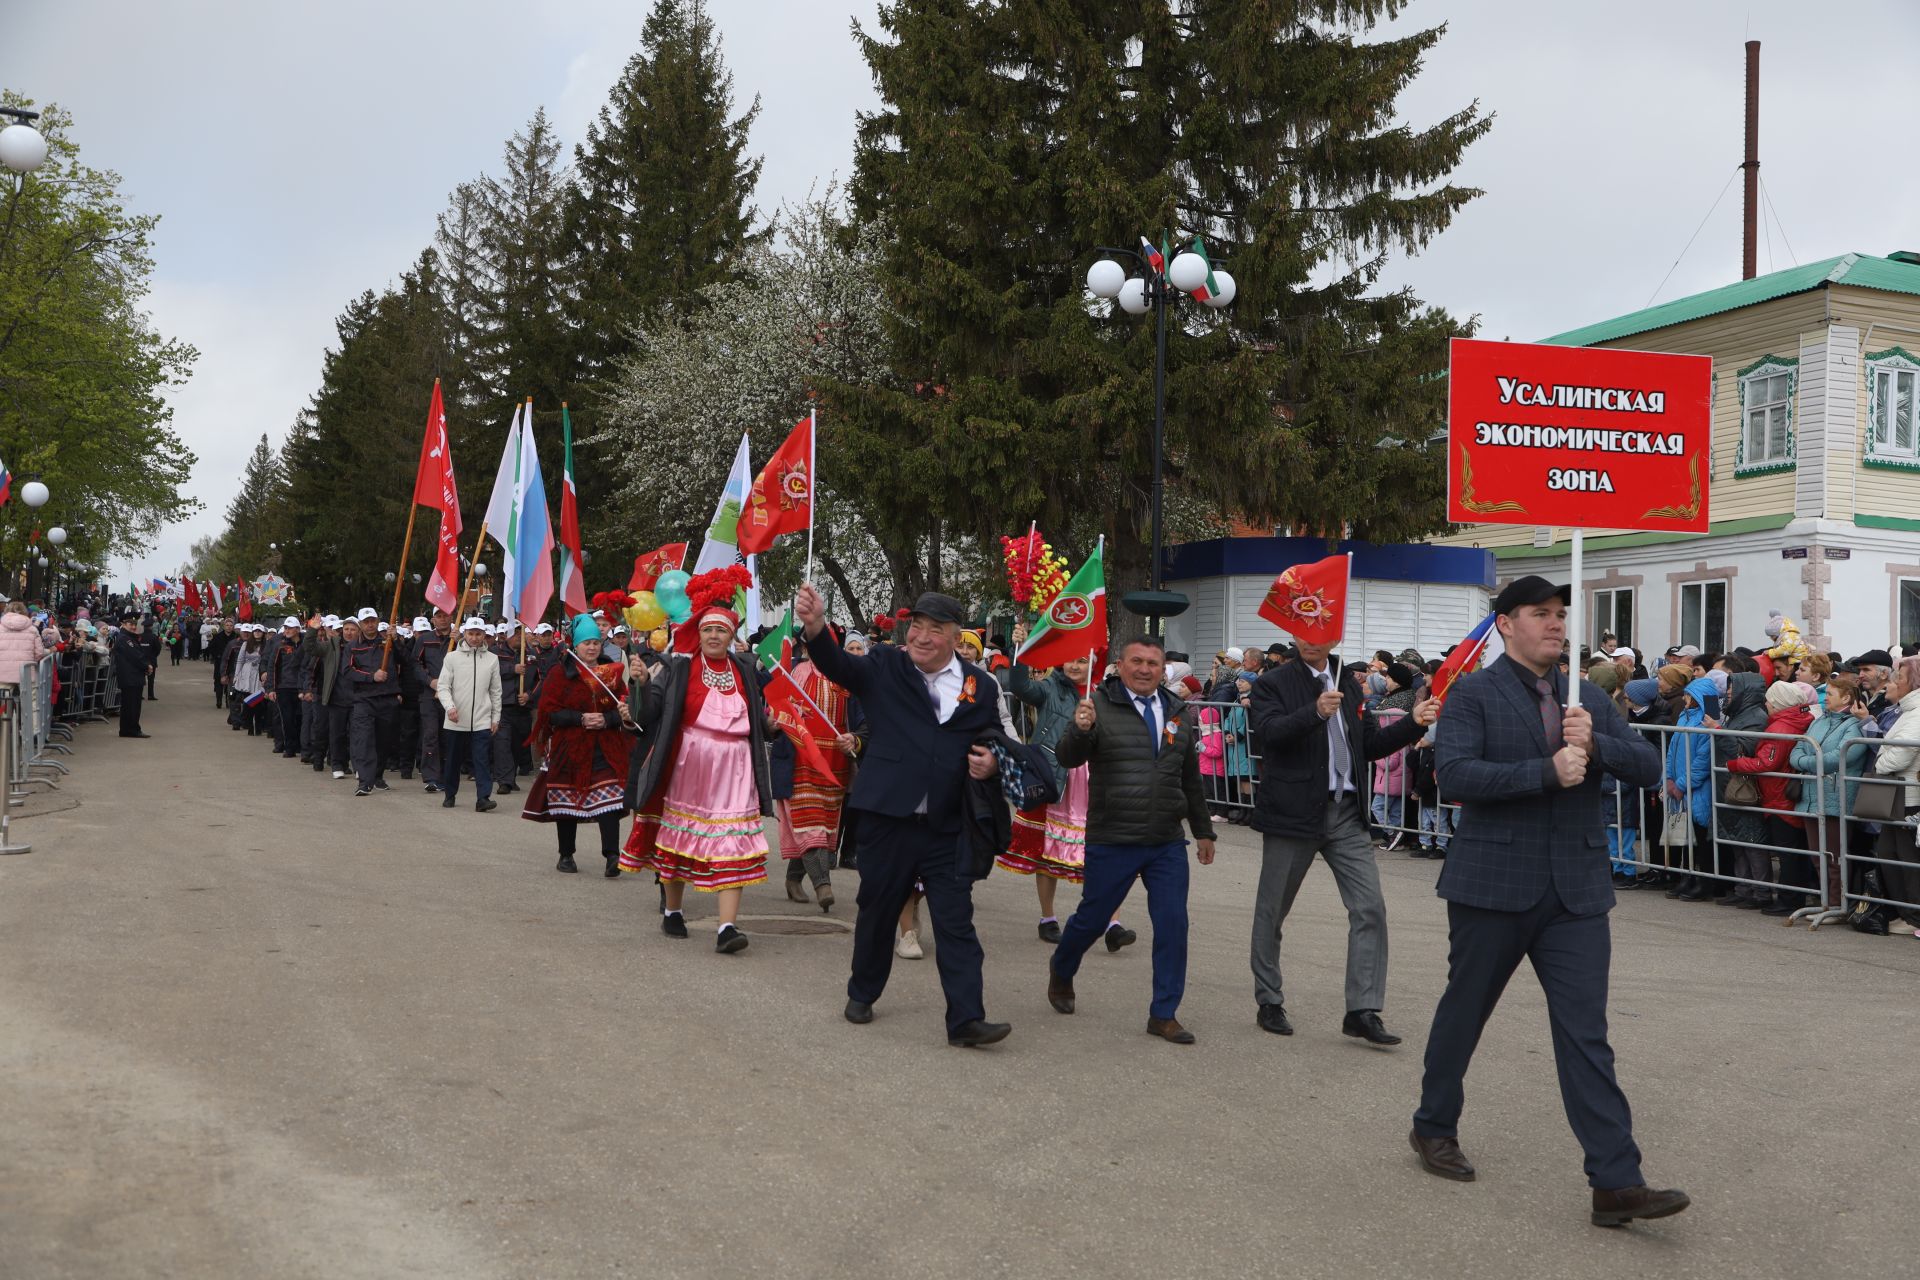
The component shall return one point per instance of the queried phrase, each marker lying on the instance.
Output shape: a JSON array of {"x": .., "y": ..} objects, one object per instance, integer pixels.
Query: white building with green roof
[{"x": 1815, "y": 492}]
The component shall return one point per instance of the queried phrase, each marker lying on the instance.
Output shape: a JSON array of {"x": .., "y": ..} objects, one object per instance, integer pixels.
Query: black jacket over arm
[{"x": 1291, "y": 738}]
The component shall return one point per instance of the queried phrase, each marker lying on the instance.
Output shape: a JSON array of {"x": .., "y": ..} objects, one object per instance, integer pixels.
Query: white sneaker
[
  {"x": 338, "y": 775},
  {"x": 908, "y": 948}
]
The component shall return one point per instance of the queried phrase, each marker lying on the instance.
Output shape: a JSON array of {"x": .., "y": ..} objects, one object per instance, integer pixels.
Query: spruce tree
[
  {"x": 662, "y": 207},
  {"x": 1014, "y": 139},
  {"x": 251, "y": 529}
]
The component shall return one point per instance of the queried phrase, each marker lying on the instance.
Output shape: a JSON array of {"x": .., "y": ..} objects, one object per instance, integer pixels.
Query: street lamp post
[{"x": 1156, "y": 288}]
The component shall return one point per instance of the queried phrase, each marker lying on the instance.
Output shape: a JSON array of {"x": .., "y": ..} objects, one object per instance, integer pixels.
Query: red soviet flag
[
  {"x": 648, "y": 568},
  {"x": 433, "y": 487},
  {"x": 781, "y": 498},
  {"x": 1309, "y": 601},
  {"x": 193, "y": 596},
  {"x": 243, "y": 592}
]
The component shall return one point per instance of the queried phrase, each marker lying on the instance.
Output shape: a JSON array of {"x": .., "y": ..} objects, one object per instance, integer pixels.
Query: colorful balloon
[{"x": 645, "y": 613}]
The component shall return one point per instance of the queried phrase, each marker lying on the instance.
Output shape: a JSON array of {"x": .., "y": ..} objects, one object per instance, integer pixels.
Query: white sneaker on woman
[{"x": 908, "y": 948}]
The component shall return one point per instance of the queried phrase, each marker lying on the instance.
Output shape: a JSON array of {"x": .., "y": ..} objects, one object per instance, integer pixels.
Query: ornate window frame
[
  {"x": 1766, "y": 367},
  {"x": 1893, "y": 359}
]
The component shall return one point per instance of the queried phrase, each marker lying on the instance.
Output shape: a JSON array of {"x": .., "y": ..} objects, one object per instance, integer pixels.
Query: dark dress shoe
[
  {"x": 485, "y": 806},
  {"x": 1170, "y": 1030},
  {"x": 507, "y": 786},
  {"x": 1441, "y": 1157},
  {"x": 1365, "y": 1023},
  {"x": 613, "y": 866},
  {"x": 565, "y": 863},
  {"x": 1059, "y": 992},
  {"x": 1618, "y": 1208},
  {"x": 1778, "y": 908},
  {"x": 729, "y": 940},
  {"x": 859, "y": 1012},
  {"x": 1119, "y": 936},
  {"x": 1273, "y": 1017},
  {"x": 971, "y": 1035},
  {"x": 1050, "y": 931},
  {"x": 449, "y": 802},
  {"x": 673, "y": 924},
  {"x": 1750, "y": 904}
]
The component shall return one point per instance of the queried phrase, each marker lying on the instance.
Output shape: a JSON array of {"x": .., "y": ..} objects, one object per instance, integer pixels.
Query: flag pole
[
  {"x": 399, "y": 583},
  {"x": 1345, "y": 598},
  {"x": 479, "y": 545},
  {"x": 813, "y": 484},
  {"x": 1574, "y": 620}
]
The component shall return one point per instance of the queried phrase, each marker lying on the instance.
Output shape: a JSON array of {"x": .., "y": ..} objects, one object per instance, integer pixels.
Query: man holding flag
[{"x": 1314, "y": 745}]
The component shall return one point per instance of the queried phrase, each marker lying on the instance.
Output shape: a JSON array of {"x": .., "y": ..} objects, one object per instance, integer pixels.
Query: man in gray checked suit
[{"x": 1527, "y": 876}]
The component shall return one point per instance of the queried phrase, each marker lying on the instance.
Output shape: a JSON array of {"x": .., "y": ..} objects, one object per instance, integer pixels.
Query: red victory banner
[
  {"x": 1309, "y": 601},
  {"x": 648, "y": 567},
  {"x": 1583, "y": 437}
]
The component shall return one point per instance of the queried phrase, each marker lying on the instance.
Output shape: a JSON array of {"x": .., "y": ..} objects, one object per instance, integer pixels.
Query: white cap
[
  {"x": 544, "y": 629},
  {"x": 475, "y": 624},
  {"x": 421, "y": 624},
  {"x": 599, "y": 613},
  {"x": 364, "y": 614},
  {"x": 332, "y": 621},
  {"x": 509, "y": 625},
  {"x": 383, "y": 626},
  {"x": 402, "y": 630},
  {"x": 1624, "y": 652},
  {"x": 620, "y": 629},
  {"x": 291, "y": 622}
]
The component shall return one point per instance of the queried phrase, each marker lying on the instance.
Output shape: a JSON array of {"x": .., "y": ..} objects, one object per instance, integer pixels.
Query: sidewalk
[{"x": 253, "y": 1026}]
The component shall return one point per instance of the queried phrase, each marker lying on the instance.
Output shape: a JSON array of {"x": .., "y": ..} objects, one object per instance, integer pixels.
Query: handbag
[
  {"x": 1878, "y": 801},
  {"x": 1743, "y": 790},
  {"x": 1679, "y": 829}
]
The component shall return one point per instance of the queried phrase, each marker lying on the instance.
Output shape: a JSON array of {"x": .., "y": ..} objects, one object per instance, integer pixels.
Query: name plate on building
[{"x": 1579, "y": 437}]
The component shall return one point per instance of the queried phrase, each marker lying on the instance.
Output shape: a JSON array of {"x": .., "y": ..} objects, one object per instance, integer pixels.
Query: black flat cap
[
  {"x": 1532, "y": 589},
  {"x": 1874, "y": 658},
  {"x": 940, "y": 608}
]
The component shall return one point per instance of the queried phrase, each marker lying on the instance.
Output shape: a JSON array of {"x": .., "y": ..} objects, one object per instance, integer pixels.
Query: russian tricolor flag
[
  {"x": 6, "y": 484},
  {"x": 1464, "y": 658},
  {"x": 257, "y": 697}
]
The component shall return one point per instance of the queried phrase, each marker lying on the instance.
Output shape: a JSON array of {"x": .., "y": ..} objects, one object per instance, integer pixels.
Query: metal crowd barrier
[
  {"x": 1827, "y": 876},
  {"x": 33, "y": 735},
  {"x": 9, "y": 755}
]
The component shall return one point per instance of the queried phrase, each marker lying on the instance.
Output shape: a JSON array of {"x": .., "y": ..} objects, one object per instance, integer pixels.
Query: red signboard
[{"x": 1584, "y": 437}]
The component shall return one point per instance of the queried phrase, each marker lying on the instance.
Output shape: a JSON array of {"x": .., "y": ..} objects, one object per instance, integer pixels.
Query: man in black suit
[
  {"x": 131, "y": 668},
  {"x": 1314, "y": 746},
  {"x": 925, "y": 707},
  {"x": 1527, "y": 876}
]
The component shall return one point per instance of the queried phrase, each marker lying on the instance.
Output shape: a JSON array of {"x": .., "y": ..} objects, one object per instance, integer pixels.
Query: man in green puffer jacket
[{"x": 1143, "y": 780}]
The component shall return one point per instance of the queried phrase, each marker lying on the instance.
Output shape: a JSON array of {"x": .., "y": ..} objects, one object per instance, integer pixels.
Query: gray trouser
[{"x": 1283, "y": 866}]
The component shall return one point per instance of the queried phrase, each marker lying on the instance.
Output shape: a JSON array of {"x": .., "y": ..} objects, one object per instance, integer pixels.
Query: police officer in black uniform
[{"x": 375, "y": 684}]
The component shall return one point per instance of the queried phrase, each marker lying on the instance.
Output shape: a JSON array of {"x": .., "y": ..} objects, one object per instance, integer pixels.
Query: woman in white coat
[{"x": 469, "y": 693}]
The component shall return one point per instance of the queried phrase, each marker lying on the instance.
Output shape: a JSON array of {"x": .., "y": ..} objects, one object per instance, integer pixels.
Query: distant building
[
  {"x": 1423, "y": 597},
  {"x": 1815, "y": 492}
]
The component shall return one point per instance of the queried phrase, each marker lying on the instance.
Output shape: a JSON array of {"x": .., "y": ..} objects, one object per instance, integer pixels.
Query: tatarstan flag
[
  {"x": 573, "y": 589},
  {"x": 1074, "y": 623},
  {"x": 805, "y": 724}
]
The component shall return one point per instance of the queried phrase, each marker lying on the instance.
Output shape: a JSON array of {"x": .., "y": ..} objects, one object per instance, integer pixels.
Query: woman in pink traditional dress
[
  {"x": 1060, "y": 850},
  {"x": 704, "y": 790}
]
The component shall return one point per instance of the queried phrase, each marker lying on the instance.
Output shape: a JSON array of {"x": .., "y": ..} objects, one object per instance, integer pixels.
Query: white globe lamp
[
  {"x": 22, "y": 149},
  {"x": 42, "y": 562},
  {"x": 57, "y": 536},
  {"x": 1223, "y": 290},
  {"x": 1133, "y": 297},
  {"x": 1188, "y": 271},
  {"x": 33, "y": 493},
  {"x": 1105, "y": 278}
]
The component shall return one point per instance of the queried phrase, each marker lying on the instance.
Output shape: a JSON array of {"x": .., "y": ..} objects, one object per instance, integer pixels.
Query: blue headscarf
[{"x": 584, "y": 628}]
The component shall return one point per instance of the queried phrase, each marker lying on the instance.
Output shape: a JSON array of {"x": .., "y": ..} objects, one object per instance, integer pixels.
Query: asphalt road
[{"x": 253, "y": 1026}]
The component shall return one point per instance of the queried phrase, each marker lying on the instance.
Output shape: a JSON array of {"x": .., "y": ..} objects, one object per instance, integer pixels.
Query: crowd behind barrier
[{"x": 1790, "y": 866}]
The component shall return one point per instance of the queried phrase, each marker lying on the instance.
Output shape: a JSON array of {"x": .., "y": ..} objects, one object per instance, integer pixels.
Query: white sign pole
[{"x": 1576, "y": 620}]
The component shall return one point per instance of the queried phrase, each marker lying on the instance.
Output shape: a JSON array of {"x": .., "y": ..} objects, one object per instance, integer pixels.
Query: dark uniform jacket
[
  {"x": 129, "y": 660},
  {"x": 1135, "y": 794},
  {"x": 362, "y": 661},
  {"x": 1519, "y": 830},
  {"x": 1286, "y": 726}
]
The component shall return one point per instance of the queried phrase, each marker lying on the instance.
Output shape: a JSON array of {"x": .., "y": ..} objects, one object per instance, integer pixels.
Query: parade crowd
[{"x": 930, "y": 757}]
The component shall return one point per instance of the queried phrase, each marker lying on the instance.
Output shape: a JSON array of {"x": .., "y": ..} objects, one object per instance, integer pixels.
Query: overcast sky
[{"x": 299, "y": 152}]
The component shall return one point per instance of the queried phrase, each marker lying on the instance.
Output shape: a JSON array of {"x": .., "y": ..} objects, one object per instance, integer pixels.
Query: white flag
[
  {"x": 722, "y": 545},
  {"x": 500, "y": 507}
]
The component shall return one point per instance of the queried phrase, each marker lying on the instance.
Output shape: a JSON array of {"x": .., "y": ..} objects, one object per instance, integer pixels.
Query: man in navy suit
[
  {"x": 1527, "y": 876},
  {"x": 925, "y": 708}
]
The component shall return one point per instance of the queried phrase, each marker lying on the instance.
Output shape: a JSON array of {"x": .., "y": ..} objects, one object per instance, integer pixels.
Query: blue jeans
[
  {"x": 1111, "y": 870},
  {"x": 1436, "y": 826},
  {"x": 480, "y": 743},
  {"x": 1620, "y": 849},
  {"x": 1387, "y": 810}
]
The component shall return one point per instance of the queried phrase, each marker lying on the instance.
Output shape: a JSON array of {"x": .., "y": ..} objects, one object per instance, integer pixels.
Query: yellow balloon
[
  {"x": 658, "y": 638},
  {"x": 645, "y": 613}
]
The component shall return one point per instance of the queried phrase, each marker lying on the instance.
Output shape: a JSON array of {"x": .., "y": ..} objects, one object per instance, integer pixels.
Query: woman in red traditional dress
[
  {"x": 581, "y": 736},
  {"x": 704, "y": 789},
  {"x": 810, "y": 818}
]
